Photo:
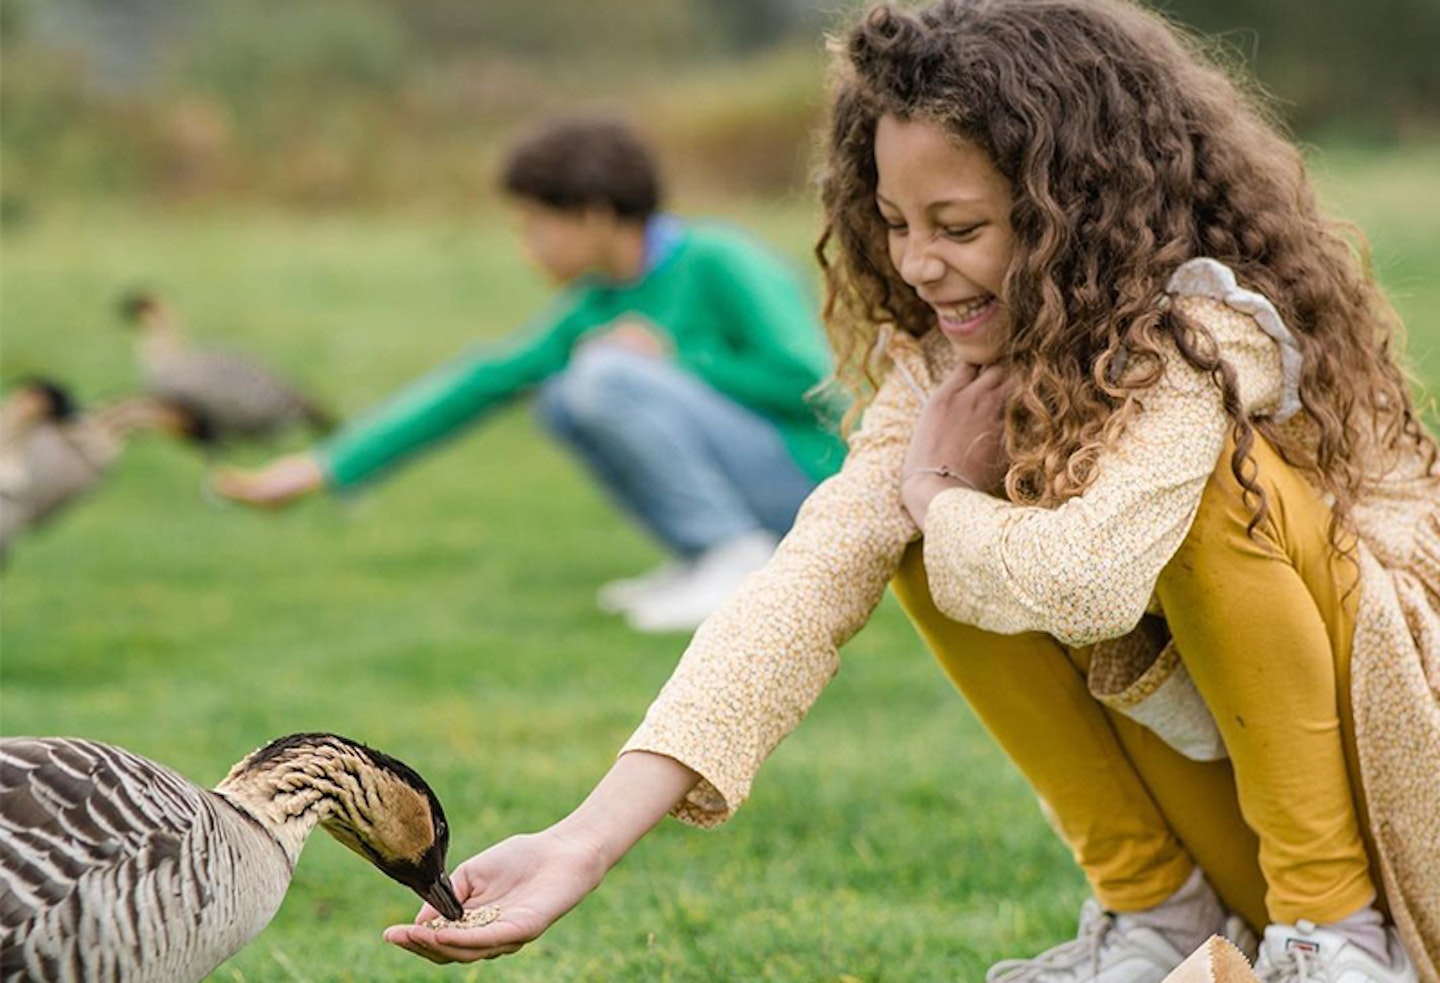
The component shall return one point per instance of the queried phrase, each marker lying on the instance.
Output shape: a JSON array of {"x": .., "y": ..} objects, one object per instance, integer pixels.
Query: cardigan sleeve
[
  {"x": 1085, "y": 570},
  {"x": 756, "y": 666}
]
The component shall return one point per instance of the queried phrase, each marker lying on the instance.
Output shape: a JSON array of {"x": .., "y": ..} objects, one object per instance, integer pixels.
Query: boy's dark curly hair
[
  {"x": 583, "y": 162},
  {"x": 1129, "y": 151}
]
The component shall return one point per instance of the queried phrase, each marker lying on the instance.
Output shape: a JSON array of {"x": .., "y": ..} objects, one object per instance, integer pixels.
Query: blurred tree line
[{"x": 348, "y": 101}]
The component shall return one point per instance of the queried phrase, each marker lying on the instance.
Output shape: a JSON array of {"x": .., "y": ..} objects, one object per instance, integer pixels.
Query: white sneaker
[
  {"x": 1110, "y": 948},
  {"x": 1307, "y": 953},
  {"x": 618, "y": 596},
  {"x": 688, "y": 600}
]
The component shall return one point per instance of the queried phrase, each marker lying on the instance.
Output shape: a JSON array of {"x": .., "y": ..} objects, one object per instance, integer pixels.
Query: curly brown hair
[{"x": 1129, "y": 150}]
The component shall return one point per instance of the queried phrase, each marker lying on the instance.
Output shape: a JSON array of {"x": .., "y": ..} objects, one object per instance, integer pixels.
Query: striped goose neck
[
  {"x": 161, "y": 335},
  {"x": 370, "y": 802},
  {"x": 297, "y": 782},
  {"x": 160, "y": 346},
  {"x": 119, "y": 419}
]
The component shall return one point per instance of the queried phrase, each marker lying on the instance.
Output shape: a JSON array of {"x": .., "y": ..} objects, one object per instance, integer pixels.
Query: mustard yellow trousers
[{"x": 1263, "y": 624}]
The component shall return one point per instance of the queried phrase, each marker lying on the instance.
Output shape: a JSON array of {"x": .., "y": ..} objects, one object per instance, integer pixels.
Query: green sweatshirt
[{"x": 736, "y": 315}]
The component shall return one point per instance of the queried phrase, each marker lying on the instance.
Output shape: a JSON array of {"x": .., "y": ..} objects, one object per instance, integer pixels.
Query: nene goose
[
  {"x": 114, "y": 868},
  {"x": 50, "y": 455},
  {"x": 241, "y": 398},
  {"x": 33, "y": 404}
]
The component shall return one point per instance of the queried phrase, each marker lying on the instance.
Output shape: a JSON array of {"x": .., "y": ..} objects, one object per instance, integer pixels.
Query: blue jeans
[{"x": 690, "y": 464}]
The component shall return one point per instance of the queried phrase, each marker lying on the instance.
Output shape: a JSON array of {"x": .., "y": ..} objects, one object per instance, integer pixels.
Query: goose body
[
  {"x": 49, "y": 466},
  {"x": 46, "y": 463},
  {"x": 115, "y": 868},
  {"x": 48, "y": 455},
  {"x": 238, "y": 395}
]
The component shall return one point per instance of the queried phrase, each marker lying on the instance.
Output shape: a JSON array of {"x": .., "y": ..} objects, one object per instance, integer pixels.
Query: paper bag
[{"x": 1217, "y": 961}]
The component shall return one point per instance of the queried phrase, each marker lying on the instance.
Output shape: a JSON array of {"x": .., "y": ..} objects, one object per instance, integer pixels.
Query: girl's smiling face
[{"x": 947, "y": 211}]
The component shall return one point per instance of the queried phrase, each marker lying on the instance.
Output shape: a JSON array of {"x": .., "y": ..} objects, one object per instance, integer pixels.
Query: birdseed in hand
[{"x": 473, "y": 918}]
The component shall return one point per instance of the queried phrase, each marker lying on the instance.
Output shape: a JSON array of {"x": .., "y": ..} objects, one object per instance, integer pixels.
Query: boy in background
[{"x": 674, "y": 363}]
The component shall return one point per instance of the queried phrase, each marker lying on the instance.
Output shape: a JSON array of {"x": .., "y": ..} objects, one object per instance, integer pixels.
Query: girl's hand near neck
[{"x": 959, "y": 439}]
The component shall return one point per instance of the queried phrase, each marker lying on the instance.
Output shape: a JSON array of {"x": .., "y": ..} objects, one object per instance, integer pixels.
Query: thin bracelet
[{"x": 944, "y": 471}]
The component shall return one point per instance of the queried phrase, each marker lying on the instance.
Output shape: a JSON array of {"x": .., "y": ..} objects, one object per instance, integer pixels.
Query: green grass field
[{"x": 445, "y": 616}]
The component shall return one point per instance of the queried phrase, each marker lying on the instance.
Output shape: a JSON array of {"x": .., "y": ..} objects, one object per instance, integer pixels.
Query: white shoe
[
  {"x": 713, "y": 576},
  {"x": 1110, "y": 948},
  {"x": 1307, "y": 953},
  {"x": 618, "y": 596}
]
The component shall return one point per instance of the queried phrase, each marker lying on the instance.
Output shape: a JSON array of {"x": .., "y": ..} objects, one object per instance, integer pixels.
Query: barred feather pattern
[
  {"x": 237, "y": 395},
  {"x": 115, "y": 868}
]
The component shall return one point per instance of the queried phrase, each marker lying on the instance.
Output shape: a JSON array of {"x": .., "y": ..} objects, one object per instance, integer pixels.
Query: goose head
[
  {"x": 183, "y": 421},
  {"x": 147, "y": 312},
  {"x": 35, "y": 399},
  {"x": 399, "y": 826},
  {"x": 374, "y": 804}
]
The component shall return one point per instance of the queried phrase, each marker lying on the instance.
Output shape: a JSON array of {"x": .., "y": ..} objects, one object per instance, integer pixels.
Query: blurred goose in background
[
  {"x": 240, "y": 397},
  {"x": 32, "y": 404},
  {"x": 115, "y": 868},
  {"x": 50, "y": 454}
]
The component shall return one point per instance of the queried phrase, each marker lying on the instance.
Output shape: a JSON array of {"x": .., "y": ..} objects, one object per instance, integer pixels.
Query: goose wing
[{"x": 115, "y": 867}]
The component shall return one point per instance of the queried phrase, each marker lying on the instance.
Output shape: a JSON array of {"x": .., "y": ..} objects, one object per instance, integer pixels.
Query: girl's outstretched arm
[
  {"x": 534, "y": 879},
  {"x": 750, "y": 673}
]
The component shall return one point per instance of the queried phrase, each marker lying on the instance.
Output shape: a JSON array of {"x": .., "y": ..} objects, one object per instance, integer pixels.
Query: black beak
[{"x": 441, "y": 897}]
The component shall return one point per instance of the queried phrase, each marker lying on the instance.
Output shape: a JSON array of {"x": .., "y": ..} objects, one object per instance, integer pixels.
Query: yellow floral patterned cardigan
[{"x": 754, "y": 668}]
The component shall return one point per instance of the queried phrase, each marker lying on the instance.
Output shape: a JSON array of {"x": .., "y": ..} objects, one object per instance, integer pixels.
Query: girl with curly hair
[{"x": 1140, "y": 457}]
